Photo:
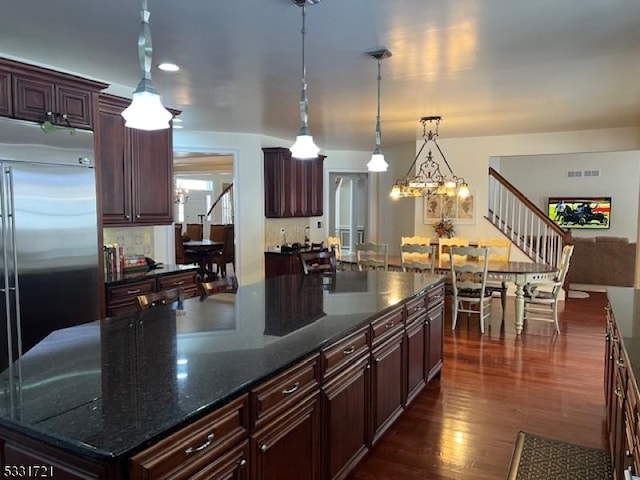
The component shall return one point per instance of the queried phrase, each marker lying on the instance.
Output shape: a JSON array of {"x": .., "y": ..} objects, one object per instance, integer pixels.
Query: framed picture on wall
[{"x": 460, "y": 210}]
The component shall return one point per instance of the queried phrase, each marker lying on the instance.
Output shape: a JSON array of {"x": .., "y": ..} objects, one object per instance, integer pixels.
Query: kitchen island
[{"x": 231, "y": 382}]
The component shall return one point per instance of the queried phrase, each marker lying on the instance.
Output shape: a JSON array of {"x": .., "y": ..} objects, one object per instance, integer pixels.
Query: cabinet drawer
[
  {"x": 285, "y": 390},
  {"x": 194, "y": 447},
  {"x": 435, "y": 296},
  {"x": 387, "y": 325},
  {"x": 416, "y": 308},
  {"x": 339, "y": 354},
  {"x": 128, "y": 293},
  {"x": 179, "y": 280}
]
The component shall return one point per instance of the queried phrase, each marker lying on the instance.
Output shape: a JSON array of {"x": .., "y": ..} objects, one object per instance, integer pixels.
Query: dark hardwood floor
[{"x": 464, "y": 425}]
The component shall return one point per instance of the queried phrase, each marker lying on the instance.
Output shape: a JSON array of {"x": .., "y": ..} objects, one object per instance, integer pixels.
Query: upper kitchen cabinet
[
  {"x": 292, "y": 187},
  {"x": 38, "y": 94},
  {"x": 136, "y": 168}
]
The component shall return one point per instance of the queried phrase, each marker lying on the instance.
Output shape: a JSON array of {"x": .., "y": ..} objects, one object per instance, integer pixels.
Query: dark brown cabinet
[
  {"x": 292, "y": 187},
  {"x": 136, "y": 169},
  {"x": 37, "y": 94},
  {"x": 276, "y": 264},
  {"x": 345, "y": 404},
  {"x": 417, "y": 345}
]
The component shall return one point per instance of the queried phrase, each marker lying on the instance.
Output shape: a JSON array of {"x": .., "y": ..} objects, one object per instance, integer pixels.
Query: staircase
[{"x": 524, "y": 223}]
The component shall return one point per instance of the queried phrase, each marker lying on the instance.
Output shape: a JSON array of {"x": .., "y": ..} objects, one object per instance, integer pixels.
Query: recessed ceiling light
[{"x": 169, "y": 67}]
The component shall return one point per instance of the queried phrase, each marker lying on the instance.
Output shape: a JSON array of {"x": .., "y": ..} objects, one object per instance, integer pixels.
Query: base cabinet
[{"x": 434, "y": 338}]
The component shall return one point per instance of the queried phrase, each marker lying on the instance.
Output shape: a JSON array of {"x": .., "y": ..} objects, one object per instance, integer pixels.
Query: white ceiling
[{"x": 487, "y": 66}]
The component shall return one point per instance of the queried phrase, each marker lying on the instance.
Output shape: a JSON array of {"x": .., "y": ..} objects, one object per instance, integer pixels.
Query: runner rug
[{"x": 539, "y": 458}]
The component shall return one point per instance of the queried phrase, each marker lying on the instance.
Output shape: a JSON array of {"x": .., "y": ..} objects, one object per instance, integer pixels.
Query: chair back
[
  {"x": 194, "y": 231},
  {"x": 372, "y": 256},
  {"x": 445, "y": 244},
  {"x": 318, "y": 262},
  {"x": 333, "y": 243},
  {"x": 180, "y": 255},
  {"x": 216, "y": 232},
  {"x": 563, "y": 269},
  {"x": 155, "y": 299},
  {"x": 417, "y": 258},
  {"x": 223, "y": 285},
  {"x": 469, "y": 278},
  {"x": 415, "y": 240},
  {"x": 499, "y": 248}
]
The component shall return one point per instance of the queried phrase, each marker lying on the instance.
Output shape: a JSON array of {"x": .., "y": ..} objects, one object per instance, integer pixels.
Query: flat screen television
[{"x": 580, "y": 212}]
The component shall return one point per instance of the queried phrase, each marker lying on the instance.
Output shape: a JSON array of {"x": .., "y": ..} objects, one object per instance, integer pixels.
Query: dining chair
[
  {"x": 417, "y": 258},
  {"x": 216, "y": 232},
  {"x": 195, "y": 231},
  {"x": 155, "y": 299},
  {"x": 445, "y": 244},
  {"x": 415, "y": 240},
  {"x": 183, "y": 257},
  {"x": 228, "y": 284},
  {"x": 499, "y": 251},
  {"x": 227, "y": 254},
  {"x": 323, "y": 262},
  {"x": 468, "y": 282},
  {"x": 372, "y": 256},
  {"x": 541, "y": 298}
]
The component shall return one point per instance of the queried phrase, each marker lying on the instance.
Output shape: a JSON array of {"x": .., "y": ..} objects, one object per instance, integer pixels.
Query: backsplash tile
[
  {"x": 294, "y": 229},
  {"x": 135, "y": 240}
]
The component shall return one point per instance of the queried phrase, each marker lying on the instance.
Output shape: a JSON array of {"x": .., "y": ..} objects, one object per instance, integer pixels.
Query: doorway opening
[{"x": 349, "y": 208}]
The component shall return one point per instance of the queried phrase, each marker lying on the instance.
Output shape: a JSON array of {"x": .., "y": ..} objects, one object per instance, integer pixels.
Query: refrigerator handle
[{"x": 11, "y": 220}]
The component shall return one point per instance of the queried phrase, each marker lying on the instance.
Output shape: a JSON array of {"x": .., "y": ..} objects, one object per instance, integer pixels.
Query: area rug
[
  {"x": 539, "y": 458},
  {"x": 577, "y": 294}
]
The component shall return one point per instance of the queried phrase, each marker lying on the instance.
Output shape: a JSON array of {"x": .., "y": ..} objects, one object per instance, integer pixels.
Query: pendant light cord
[
  {"x": 304, "y": 101},
  {"x": 378, "y": 129},
  {"x": 145, "y": 48}
]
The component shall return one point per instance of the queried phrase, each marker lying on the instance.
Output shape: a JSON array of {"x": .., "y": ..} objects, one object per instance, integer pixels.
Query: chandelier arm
[
  {"x": 413, "y": 165},
  {"x": 444, "y": 158}
]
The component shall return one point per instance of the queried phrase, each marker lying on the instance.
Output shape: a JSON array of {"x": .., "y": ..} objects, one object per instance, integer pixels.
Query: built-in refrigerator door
[{"x": 53, "y": 209}]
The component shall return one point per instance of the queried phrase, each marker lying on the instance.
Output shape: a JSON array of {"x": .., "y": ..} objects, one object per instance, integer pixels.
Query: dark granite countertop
[
  {"x": 129, "y": 277},
  {"x": 625, "y": 304},
  {"x": 109, "y": 388}
]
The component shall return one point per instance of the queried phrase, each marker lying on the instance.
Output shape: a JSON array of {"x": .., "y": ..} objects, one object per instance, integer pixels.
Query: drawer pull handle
[
  {"x": 389, "y": 325},
  {"x": 417, "y": 309},
  {"x": 242, "y": 463},
  {"x": 191, "y": 450},
  {"x": 289, "y": 391},
  {"x": 131, "y": 292},
  {"x": 263, "y": 447},
  {"x": 350, "y": 350},
  {"x": 181, "y": 282}
]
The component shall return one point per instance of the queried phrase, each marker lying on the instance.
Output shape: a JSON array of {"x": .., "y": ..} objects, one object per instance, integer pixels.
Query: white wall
[{"x": 543, "y": 176}]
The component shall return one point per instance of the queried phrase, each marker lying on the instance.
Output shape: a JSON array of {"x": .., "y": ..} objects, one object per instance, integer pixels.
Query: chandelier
[
  {"x": 429, "y": 179},
  {"x": 180, "y": 195}
]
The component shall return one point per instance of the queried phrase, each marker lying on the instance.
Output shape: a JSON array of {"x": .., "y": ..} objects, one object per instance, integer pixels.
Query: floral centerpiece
[{"x": 444, "y": 228}]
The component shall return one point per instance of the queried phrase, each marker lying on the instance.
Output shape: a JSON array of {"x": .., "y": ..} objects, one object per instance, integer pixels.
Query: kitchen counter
[
  {"x": 129, "y": 277},
  {"x": 109, "y": 388},
  {"x": 625, "y": 304}
]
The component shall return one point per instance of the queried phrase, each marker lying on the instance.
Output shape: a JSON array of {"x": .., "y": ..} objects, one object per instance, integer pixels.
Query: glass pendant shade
[
  {"x": 377, "y": 163},
  {"x": 146, "y": 112},
  {"x": 304, "y": 148}
]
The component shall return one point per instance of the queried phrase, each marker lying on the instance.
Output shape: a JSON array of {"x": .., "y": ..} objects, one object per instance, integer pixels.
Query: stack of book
[
  {"x": 135, "y": 263},
  {"x": 113, "y": 259}
]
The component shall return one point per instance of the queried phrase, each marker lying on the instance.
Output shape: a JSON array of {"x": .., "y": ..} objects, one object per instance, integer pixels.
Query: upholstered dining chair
[
  {"x": 541, "y": 298},
  {"x": 372, "y": 256},
  {"x": 155, "y": 299},
  {"x": 499, "y": 251},
  {"x": 468, "y": 282},
  {"x": 227, "y": 254},
  {"x": 183, "y": 257},
  {"x": 445, "y": 245},
  {"x": 195, "y": 231}
]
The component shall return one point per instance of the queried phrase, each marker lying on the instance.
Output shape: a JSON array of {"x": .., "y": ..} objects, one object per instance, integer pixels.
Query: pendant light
[
  {"x": 304, "y": 148},
  {"x": 377, "y": 162},
  {"x": 146, "y": 111}
]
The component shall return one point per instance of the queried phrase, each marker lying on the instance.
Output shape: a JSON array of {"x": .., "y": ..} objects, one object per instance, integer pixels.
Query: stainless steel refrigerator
[{"x": 48, "y": 234}]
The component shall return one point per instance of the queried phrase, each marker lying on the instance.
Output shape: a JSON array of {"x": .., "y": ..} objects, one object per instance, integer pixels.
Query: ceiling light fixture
[
  {"x": 146, "y": 111},
  {"x": 169, "y": 67},
  {"x": 377, "y": 162},
  {"x": 429, "y": 180},
  {"x": 304, "y": 148}
]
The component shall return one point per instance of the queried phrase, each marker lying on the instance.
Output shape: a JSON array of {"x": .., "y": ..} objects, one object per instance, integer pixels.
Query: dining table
[
  {"x": 515, "y": 272},
  {"x": 205, "y": 249}
]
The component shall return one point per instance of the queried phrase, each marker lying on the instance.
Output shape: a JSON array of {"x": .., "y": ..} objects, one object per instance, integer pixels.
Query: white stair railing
[{"x": 523, "y": 222}]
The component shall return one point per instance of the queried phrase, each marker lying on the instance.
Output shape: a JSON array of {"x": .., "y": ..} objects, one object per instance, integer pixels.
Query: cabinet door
[
  {"x": 387, "y": 383},
  {"x": 345, "y": 407},
  {"x": 152, "y": 162},
  {"x": 6, "y": 105},
  {"x": 75, "y": 104},
  {"x": 315, "y": 183},
  {"x": 113, "y": 158},
  {"x": 289, "y": 447},
  {"x": 434, "y": 335},
  {"x": 33, "y": 98},
  {"x": 416, "y": 364}
]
